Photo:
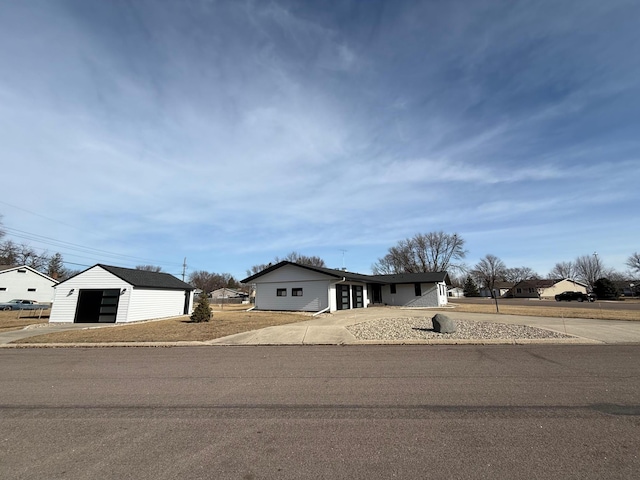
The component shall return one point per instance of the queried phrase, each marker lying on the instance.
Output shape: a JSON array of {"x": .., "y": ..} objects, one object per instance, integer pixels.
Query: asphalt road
[
  {"x": 632, "y": 305},
  {"x": 320, "y": 412}
]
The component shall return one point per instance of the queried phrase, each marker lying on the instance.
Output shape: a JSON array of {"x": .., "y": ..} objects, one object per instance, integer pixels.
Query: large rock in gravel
[{"x": 443, "y": 324}]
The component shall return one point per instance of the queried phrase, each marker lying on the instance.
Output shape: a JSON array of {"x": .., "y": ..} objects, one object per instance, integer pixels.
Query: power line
[{"x": 80, "y": 248}]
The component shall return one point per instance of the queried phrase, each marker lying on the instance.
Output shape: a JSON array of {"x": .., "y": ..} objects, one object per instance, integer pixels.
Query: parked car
[
  {"x": 579, "y": 296},
  {"x": 20, "y": 304}
]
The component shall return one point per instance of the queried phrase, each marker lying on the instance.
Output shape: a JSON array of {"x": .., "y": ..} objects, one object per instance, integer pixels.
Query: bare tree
[
  {"x": 149, "y": 268},
  {"x": 294, "y": 257},
  {"x": 209, "y": 281},
  {"x": 488, "y": 271},
  {"x": 12, "y": 253},
  {"x": 633, "y": 262},
  {"x": 428, "y": 252},
  {"x": 589, "y": 268},
  {"x": 563, "y": 270},
  {"x": 518, "y": 274}
]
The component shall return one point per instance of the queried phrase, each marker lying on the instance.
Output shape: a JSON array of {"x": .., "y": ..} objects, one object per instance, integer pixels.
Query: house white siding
[
  {"x": 432, "y": 295},
  {"x": 66, "y": 300},
  {"x": 26, "y": 284},
  {"x": 313, "y": 299},
  {"x": 146, "y": 304}
]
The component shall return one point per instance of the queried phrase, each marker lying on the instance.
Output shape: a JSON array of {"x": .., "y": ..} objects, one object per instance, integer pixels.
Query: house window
[
  {"x": 22, "y": 270},
  {"x": 281, "y": 292},
  {"x": 532, "y": 290},
  {"x": 296, "y": 292},
  {"x": 417, "y": 287},
  {"x": 393, "y": 287},
  {"x": 518, "y": 290},
  {"x": 3, "y": 289},
  {"x": 31, "y": 289}
]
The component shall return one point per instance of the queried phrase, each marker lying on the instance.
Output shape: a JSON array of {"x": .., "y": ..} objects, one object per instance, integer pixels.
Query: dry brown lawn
[
  {"x": 540, "y": 311},
  {"x": 227, "y": 321},
  {"x": 9, "y": 319}
]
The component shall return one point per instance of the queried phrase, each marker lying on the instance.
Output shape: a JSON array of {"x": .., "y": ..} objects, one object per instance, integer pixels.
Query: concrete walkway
[{"x": 331, "y": 330}]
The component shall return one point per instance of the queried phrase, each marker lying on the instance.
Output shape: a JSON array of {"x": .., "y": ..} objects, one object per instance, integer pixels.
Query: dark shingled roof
[
  {"x": 430, "y": 277},
  {"x": 143, "y": 278}
]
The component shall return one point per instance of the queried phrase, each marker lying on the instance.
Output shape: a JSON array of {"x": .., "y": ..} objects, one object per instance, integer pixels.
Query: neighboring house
[
  {"x": 455, "y": 292},
  {"x": 545, "y": 288},
  {"x": 25, "y": 283},
  {"x": 222, "y": 293},
  {"x": 501, "y": 288},
  {"x": 107, "y": 294},
  {"x": 292, "y": 286}
]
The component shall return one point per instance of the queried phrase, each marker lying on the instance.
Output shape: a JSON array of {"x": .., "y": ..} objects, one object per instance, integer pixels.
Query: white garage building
[{"x": 107, "y": 294}]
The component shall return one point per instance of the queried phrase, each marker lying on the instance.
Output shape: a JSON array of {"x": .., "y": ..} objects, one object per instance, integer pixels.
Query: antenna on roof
[{"x": 343, "y": 252}]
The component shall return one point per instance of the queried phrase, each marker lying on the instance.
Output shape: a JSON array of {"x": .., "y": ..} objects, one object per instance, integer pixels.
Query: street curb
[{"x": 521, "y": 341}]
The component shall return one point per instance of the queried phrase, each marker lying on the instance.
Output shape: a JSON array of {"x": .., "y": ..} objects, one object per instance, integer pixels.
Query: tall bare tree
[
  {"x": 589, "y": 268},
  {"x": 424, "y": 252},
  {"x": 488, "y": 271},
  {"x": 563, "y": 270},
  {"x": 633, "y": 262},
  {"x": 518, "y": 274}
]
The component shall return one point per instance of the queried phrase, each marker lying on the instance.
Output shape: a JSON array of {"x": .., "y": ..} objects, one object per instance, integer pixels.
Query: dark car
[
  {"x": 578, "y": 296},
  {"x": 20, "y": 304}
]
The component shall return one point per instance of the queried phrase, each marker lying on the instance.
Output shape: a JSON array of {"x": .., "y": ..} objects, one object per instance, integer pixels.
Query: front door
[
  {"x": 342, "y": 297},
  {"x": 358, "y": 301}
]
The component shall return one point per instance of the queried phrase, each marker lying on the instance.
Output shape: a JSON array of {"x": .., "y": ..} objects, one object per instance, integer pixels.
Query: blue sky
[{"x": 231, "y": 132}]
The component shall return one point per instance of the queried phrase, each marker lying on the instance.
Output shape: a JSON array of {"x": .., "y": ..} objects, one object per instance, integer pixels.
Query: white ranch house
[
  {"x": 25, "y": 283},
  {"x": 107, "y": 294},
  {"x": 296, "y": 287}
]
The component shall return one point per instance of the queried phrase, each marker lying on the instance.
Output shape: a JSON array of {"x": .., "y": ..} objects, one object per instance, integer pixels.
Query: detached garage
[{"x": 107, "y": 294}]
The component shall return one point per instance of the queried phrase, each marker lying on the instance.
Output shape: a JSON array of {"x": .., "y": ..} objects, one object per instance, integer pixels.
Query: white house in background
[
  {"x": 224, "y": 292},
  {"x": 455, "y": 292},
  {"x": 107, "y": 294},
  {"x": 25, "y": 283},
  {"x": 546, "y": 288},
  {"x": 291, "y": 286}
]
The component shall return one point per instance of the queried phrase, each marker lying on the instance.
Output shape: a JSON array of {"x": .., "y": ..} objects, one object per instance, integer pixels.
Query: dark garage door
[{"x": 97, "y": 306}]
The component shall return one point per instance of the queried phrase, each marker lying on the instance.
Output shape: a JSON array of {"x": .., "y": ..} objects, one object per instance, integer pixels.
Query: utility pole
[{"x": 184, "y": 267}]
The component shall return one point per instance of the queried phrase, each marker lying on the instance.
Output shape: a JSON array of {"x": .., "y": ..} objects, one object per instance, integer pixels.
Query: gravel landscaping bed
[{"x": 418, "y": 328}]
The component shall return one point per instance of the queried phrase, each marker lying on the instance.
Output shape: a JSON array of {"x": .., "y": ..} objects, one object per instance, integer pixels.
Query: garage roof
[{"x": 143, "y": 278}]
